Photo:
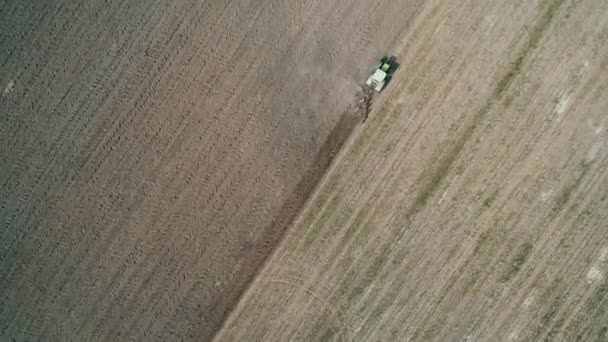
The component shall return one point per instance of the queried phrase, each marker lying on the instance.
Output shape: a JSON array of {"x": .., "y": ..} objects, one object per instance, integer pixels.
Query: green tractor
[{"x": 383, "y": 73}]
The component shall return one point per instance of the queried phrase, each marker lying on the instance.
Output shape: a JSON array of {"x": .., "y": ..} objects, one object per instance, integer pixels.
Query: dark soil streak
[{"x": 263, "y": 248}]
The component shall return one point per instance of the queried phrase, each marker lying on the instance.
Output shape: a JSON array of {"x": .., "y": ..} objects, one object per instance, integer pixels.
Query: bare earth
[
  {"x": 153, "y": 152},
  {"x": 472, "y": 205}
]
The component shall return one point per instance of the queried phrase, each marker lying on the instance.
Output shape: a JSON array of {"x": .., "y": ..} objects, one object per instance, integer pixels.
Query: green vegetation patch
[
  {"x": 603, "y": 334},
  {"x": 515, "y": 69},
  {"x": 533, "y": 40},
  {"x": 518, "y": 261},
  {"x": 568, "y": 190},
  {"x": 328, "y": 335},
  {"x": 368, "y": 278}
]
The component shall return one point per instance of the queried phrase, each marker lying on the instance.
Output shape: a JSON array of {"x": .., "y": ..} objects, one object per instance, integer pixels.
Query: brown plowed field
[
  {"x": 153, "y": 152},
  {"x": 472, "y": 205}
]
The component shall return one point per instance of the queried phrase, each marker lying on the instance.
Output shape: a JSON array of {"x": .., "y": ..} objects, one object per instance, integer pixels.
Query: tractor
[{"x": 383, "y": 73}]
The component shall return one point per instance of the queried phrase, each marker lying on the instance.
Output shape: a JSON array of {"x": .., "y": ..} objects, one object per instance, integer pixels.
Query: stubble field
[
  {"x": 153, "y": 152},
  {"x": 472, "y": 205}
]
